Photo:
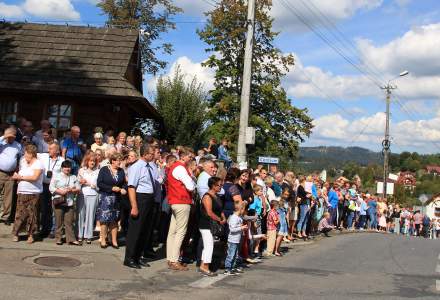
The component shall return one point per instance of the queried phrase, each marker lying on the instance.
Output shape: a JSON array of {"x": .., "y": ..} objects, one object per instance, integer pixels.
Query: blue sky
[{"x": 347, "y": 107}]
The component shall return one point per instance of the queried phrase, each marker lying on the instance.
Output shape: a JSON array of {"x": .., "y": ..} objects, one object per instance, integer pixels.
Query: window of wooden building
[
  {"x": 60, "y": 116},
  {"x": 8, "y": 111}
]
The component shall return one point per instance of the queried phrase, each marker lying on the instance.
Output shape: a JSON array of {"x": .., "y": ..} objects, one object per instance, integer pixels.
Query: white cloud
[
  {"x": 416, "y": 50},
  {"x": 51, "y": 9},
  {"x": 301, "y": 82},
  {"x": 369, "y": 131},
  {"x": 10, "y": 11},
  {"x": 189, "y": 69},
  {"x": 286, "y": 21},
  {"x": 334, "y": 10}
]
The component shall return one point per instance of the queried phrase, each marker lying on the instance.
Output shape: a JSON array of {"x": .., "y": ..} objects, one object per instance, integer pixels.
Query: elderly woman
[
  {"x": 64, "y": 187},
  {"x": 99, "y": 142},
  {"x": 121, "y": 141},
  {"x": 88, "y": 199},
  {"x": 111, "y": 182},
  {"x": 30, "y": 186}
]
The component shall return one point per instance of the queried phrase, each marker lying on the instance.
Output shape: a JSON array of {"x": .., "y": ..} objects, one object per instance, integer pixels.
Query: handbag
[
  {"x": 217, "y": 229},
  {"x": 59, "y": 201}
]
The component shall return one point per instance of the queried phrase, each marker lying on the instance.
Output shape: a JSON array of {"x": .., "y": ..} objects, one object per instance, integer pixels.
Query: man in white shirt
[{"x": 52, "y": 166}]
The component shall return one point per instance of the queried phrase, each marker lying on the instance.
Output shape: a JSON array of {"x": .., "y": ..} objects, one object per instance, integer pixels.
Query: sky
[{"x": 344, "y": 50}]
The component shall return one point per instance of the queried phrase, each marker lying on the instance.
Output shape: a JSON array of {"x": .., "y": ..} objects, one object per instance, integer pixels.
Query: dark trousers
[
  {"x": 325, "y": 231},
  {"x": 333, "y": 215},
  {"x": 137, "y": 235},
  {"x": 148, "y": 247},
  {"x": 46, "y": 214},
  {"x": 362, "y": 221}
]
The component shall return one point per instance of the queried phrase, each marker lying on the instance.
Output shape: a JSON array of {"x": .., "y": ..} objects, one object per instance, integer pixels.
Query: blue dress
[
  {"x": 109, "y": 202},
  {"x": 283, "y": 227}
]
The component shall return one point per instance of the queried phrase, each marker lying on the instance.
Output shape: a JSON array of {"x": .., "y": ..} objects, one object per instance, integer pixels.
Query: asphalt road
[{"x": 347, "y": 266}]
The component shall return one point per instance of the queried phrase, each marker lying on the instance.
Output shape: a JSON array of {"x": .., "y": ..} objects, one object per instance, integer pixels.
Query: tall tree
[
  {"x": 183, "y": 108},
  {"x": 279, "y": 125},
  {"x": 152, "y": 18}
]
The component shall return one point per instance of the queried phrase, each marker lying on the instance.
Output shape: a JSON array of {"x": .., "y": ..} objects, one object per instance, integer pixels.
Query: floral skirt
[
  {"x": 108, "y": 208},
  {"x": 26, "y": 214}
]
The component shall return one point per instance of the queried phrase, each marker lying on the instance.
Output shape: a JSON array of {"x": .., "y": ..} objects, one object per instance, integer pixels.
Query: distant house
[
  {"x": 433, "y": 170},
  {"x": 408, "y": 180},
  {"x": 72, "y": 75},
  {"x": 432, "y": 207}
]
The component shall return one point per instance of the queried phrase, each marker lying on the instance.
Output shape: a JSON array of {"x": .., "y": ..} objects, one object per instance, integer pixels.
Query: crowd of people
[{"x": 145, "y": 192}]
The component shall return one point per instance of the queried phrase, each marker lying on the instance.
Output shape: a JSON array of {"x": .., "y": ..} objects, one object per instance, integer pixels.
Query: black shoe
[
  {"x": 143, "y": 262},
  {"x": 8, "y": 223},
  {"x": 150, "y": 254},
  {"x": 114, "y": 246},
  {"x": 131, "y": 264}
]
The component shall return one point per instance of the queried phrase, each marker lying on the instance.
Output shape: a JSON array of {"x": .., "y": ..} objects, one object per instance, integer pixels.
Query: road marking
[
  {"x": 439, "y": 256},
  {"x": 437, "y": 285},
  {"x": 437, "y": 269},
  {"x": 206, "y": 281}
]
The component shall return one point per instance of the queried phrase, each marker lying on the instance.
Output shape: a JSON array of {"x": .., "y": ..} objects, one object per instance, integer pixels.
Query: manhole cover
[{"x": 57, "y": 261}]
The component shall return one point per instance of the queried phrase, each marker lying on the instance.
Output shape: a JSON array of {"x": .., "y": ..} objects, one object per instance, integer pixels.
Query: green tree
[
  {"x": 153, "y": 17},
  {"x": 183, "y": 108},
  {"x": 279, "y": 125}
]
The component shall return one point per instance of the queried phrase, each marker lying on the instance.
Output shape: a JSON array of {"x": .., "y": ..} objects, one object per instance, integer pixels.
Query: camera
[{"x": 49, "y": 174}]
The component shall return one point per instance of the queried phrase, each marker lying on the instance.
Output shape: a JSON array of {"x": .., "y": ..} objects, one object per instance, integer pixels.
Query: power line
[{"x": 328, "y": 42}]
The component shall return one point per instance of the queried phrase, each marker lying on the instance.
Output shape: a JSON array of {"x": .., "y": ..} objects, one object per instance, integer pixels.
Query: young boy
[
  {"x": 273, "y": 220},
  {"x": 257, "y": 206},
  {"x": 236, "y": 229},
  {"x": 324, "y": 226}
]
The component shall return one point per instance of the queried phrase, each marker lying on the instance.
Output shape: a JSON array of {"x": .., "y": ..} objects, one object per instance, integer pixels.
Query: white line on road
[
  {"x": 437, "y": 285},
  {"x": 437, "y": 269},
  {"x": 206, "y": 281}
]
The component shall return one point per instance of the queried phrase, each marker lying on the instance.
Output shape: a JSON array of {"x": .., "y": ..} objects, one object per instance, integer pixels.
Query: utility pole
[
  {"x": 246, "y": 84},
  {"x": 386, "y": 142}
]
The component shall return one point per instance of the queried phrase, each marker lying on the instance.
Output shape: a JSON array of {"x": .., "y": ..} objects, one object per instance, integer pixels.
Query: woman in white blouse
[
  {"x": 88, "y": 198},
  {"x": 30, "y": 186}
]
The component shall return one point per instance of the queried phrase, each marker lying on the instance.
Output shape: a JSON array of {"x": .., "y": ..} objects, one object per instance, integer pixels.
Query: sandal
[
  {"x": 30, "y": 239},
  {"x": 208, "y": 273},
  {"x": 59, "y": 243},
  {"x": 278, "y": 254},
  {"x": 15, "y": 238}
]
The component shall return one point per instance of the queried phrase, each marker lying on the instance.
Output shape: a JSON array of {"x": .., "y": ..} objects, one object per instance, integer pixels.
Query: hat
[{"x": 10, "y": 132}]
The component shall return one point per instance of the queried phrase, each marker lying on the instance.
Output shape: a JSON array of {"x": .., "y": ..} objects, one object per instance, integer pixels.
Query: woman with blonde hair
[
  {"x": 111, "y": 182},
  {"x": 88, "y": 198}
]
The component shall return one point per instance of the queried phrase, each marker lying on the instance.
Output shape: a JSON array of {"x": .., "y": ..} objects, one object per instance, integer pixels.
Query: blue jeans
[
  {"x": 350, "y": 216},
  {"x": 303, "y": 218},
  {"x": 362, "y": 219},
  {"x": 231, "y": 258},
  {"x": 333, "y": 215},
  {"x": 373, "y": 221}
]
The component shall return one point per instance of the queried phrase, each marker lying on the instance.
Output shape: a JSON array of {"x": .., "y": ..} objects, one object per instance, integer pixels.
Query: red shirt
[{"x": 272, "y": 220}]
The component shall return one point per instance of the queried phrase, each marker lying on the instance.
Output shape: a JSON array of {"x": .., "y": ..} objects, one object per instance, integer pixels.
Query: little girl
[
  {"x": 273, "y": 220},
  {"x": 282, "y": 227},
  {"x": 257, "y": 206}
]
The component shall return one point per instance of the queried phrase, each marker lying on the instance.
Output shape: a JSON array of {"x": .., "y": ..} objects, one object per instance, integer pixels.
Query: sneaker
[
  {"x": 229, "y": 273},
  {"x": 238, "y": 270}
]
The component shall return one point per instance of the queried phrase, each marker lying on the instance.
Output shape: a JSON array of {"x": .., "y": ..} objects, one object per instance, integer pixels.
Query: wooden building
[
  {"x": 408, "y": 180},
  {"x": 72, "y": 75}
]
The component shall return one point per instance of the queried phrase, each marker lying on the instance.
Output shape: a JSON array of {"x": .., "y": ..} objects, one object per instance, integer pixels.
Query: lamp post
[{"x": 386, "y": 144}]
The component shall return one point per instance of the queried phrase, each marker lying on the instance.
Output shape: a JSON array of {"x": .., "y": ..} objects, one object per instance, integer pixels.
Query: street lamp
[{"x": 386, "y": 144}]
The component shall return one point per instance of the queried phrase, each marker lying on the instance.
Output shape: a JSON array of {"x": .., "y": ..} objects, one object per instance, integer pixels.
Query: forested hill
[{"x": 318, "y": 158}]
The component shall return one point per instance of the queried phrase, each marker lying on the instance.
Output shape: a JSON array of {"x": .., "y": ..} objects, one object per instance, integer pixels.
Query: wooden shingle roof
[{"x": 71, "y": 60}]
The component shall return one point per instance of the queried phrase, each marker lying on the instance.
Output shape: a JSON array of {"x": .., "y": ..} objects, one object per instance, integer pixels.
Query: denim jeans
[
  {"x": 362, "y": 219},
  {"x": 397, "y": 225},
  {"x": 350, "y": 216},
  {"x": 231, "y": 258},
  {"x": 333, "y": 215},
  {"x": 303, "y": 217},
  {"x": 373, "y": 221}
]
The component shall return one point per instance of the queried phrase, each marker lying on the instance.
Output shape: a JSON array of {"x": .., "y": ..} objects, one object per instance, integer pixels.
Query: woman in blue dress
[{"x": 111, "y": 184}]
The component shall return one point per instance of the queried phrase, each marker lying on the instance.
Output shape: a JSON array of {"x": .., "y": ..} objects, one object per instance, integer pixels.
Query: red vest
[{"x": 177, "y": 192}]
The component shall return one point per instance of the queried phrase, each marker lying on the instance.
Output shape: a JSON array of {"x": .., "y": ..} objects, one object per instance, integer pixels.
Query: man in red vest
[{"x": 180, "y": 187}]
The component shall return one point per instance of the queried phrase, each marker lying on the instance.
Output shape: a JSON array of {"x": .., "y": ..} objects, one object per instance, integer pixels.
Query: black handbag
[{"x": 217, "y": 229}]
